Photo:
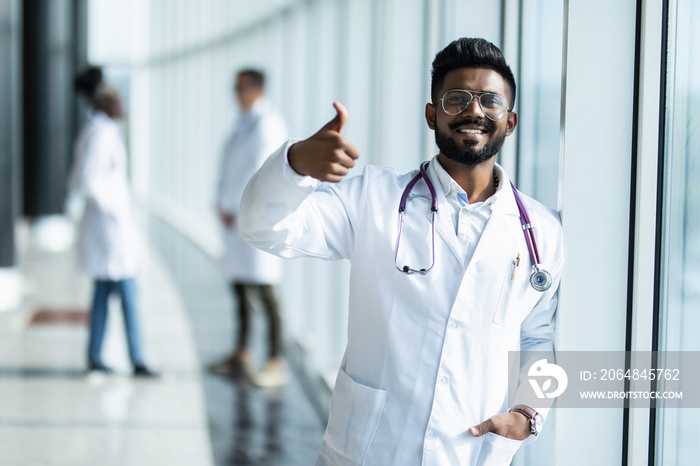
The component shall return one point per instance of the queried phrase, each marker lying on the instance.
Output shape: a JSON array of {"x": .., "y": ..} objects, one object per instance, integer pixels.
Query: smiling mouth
[
  {"x": 471, "y": 131},
  {"x": 475, "y": 127}
]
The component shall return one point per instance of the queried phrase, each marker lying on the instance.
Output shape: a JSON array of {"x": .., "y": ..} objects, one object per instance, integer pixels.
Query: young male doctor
[{"x": 424, "y": 376}]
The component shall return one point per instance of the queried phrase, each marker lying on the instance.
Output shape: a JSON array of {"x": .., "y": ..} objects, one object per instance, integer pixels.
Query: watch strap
[
  {"x": 529, "y": 413},
  {"x": 525, "y": 410}
]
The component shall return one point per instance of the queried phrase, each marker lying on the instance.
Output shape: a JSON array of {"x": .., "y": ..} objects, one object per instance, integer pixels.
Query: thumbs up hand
[{"x": 326, "y": 156}]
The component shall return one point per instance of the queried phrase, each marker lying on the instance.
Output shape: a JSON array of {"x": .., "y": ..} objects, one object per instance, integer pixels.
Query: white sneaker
[{"x": 274, "y": 374}]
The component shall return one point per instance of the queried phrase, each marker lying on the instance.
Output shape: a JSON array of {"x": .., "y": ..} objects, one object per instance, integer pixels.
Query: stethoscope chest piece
[{"x": 540, "y": 279}]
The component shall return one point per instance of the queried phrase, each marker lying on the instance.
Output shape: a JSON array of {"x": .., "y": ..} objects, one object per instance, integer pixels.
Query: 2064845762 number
[{"x": 639, "y": 374}]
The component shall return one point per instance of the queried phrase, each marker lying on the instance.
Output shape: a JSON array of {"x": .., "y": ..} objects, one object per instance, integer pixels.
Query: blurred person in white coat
[
  {"x": 432, "y": 316},
  {"x": 250, "y": 272},
  {"x": 109, "y": 249}
]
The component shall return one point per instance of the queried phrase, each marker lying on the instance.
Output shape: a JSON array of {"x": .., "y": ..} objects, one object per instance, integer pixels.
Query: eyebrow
[
  {"x": 473, "y": 90},
  {"x": 478, "y": 92}
]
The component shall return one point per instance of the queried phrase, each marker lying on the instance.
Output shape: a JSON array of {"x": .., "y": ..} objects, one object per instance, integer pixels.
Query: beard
[{"x": 468, "y": 155}]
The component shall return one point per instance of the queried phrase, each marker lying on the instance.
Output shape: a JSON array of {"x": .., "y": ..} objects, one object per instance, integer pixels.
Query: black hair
[
  {"x": 86, "y": 81},
  {"x": 469, "y": 52},
  {"x": 256, "y": 77}
]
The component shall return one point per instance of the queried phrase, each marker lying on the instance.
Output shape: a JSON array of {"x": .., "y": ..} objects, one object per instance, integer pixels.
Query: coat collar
[
  {"x": 504, "y": 200},
  {"x": 503, "y": 211}
]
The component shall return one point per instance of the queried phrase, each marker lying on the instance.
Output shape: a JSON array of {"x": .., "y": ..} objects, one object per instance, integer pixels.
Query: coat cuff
[{"x": 294, "y": 177}]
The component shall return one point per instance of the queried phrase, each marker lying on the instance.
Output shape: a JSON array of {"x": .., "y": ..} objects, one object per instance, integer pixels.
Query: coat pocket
[
  {"x": 515, "y": 299},
  {"x": 497, "y": 450},
  {"x": 354, "y": 417}
]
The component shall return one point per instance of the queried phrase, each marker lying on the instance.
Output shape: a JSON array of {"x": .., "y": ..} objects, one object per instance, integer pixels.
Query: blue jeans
[{"x": 126, "y": 289}]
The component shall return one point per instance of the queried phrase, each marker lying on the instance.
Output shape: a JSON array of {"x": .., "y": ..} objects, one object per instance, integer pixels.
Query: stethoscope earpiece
[{"x": 540, "y": 279}]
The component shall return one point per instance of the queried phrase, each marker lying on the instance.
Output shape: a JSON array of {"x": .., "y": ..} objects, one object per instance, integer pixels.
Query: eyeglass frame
[{"x": 478, "y": 94}]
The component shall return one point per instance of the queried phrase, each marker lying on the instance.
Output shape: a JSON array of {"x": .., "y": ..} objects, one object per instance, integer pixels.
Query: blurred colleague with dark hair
[
  {"x": 109, "y": 249},
  {"x": 251, "y": 273}
]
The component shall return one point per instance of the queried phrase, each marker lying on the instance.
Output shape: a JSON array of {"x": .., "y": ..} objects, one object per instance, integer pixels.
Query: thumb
[
  {"x": 341, "y": 117},
  {"x": 481, "y": 429}
]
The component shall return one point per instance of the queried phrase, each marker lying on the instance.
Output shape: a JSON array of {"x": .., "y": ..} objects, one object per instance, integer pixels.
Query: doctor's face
[
  {"x": 470, "y": 137},
  {"x": 247, "y": 92}
]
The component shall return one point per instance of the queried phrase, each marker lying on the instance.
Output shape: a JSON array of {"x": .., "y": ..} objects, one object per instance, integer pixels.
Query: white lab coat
[
  {"x": 109, "y": 247},
  {"x": 426, "y": 356},
  {"x": 258, "y": 133}
]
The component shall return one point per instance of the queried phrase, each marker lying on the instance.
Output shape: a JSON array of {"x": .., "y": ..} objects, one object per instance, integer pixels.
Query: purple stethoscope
[{"x": 540, "y": 279}]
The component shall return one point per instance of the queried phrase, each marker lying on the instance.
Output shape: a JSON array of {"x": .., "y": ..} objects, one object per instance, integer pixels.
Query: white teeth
[{"x": 470, "y": 131}]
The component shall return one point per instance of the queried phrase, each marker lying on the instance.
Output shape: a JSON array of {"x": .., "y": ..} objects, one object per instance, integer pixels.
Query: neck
[
  {"x": 476, "y": 180},
  {"x": 248, "y": 106}
]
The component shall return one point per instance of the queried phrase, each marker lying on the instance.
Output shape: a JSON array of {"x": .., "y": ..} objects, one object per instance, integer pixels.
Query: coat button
[{"x": 430, "y": 435}]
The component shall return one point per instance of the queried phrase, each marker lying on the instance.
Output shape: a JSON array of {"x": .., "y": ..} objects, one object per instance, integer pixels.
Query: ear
[
  {"x": 512, "y": 123},
  {"x": 430, "y": 115}
]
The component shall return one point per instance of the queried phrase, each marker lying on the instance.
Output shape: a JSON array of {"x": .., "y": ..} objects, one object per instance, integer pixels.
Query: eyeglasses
[{"x": 494, "y": 106}]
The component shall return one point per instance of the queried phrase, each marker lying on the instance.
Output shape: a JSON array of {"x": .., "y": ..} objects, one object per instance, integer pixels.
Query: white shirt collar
[{"x": 452, "y": 189}]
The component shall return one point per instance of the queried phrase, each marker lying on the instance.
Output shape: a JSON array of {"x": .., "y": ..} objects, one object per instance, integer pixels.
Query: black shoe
[
  {"x": 99, "y": 368},
  {"x": 141, "y": 370}
]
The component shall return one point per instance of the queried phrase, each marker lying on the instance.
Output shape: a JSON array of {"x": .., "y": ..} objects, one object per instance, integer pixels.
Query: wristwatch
[{"x": 531, "y": 415}]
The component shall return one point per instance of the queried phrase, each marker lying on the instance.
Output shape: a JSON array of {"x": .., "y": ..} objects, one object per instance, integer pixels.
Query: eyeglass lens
[{"x": 494, "y": 106}]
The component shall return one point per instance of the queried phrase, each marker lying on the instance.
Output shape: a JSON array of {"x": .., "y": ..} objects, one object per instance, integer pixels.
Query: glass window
[
  {"x": 539, "y": 99},
  {"x": 538, "y": 105},
  {"x": 677, "y": 430}
]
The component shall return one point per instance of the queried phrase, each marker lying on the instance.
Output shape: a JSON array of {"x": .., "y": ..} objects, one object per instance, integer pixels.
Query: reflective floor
[
  {"x": 52, "y": 413},
  {"x": 247, "y": 425}
]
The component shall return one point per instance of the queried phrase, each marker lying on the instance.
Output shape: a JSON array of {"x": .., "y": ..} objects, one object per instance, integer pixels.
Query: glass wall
[
  {"x": 539, "y": 101},
  {"x": 677, "y": 430},
  {"x": 539, "y": 114}
]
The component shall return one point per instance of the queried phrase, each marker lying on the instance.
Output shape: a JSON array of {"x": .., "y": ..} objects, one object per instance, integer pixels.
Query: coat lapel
[
  {"x": 444, "y": 224},
  {"x": 502, "y": 238},
  {"x": 446, "y": 227}
]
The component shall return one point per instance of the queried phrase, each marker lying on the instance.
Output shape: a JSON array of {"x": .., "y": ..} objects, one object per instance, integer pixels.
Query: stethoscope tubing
[
  {"x": 527, "y": 227},
  {"x": 421, "y": 174},
  {"x": 402, "y": 208},
  {"x": 539, "y": 279}
]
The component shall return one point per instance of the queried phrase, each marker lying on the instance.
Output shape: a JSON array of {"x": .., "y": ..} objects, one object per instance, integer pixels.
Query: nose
[{"x": 474, "y": 108}]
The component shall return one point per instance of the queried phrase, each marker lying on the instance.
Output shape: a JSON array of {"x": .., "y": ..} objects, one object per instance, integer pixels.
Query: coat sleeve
[
  {"x": 291, "y": 215},
  {"x": 537, "y": 330}
]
